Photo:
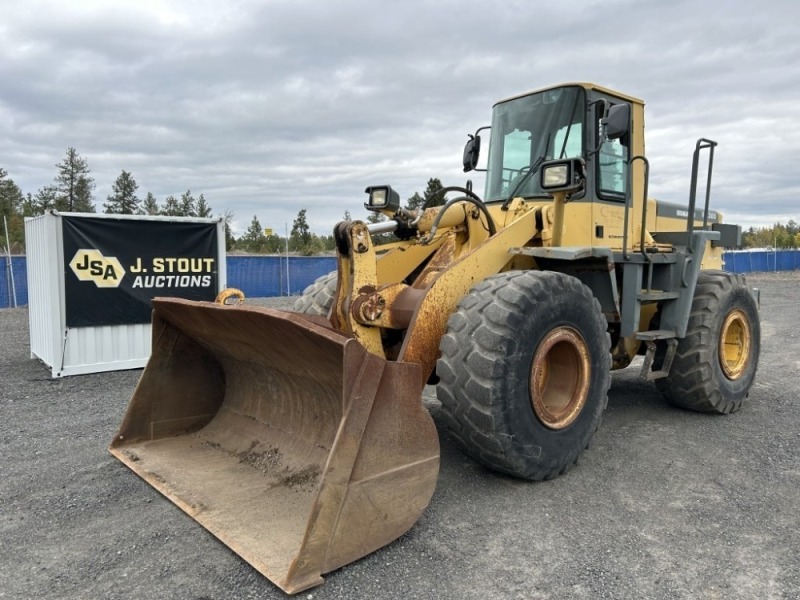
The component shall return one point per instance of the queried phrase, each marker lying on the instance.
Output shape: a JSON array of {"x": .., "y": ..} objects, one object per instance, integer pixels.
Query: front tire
[
  {"x": 715, "y": 363},
  {"x": 524, "y": 372}
]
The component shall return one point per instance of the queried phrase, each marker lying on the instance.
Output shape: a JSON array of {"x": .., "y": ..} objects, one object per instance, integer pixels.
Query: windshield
[{"x": 546, "y": 125}]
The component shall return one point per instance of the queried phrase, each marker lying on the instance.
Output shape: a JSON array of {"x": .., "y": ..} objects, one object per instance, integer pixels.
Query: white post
[
  {"x": 10, "y": 265},
  {"x": 288, "y": 287}
]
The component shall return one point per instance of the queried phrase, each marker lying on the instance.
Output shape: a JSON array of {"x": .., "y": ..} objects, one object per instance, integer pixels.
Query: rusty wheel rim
[
  {"x": 734, "y": 344},
  {"x": 559, "y": 380}
]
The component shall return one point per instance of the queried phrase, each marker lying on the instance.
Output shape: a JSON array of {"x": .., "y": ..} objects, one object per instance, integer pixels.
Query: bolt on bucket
[{"x": 285, "y": 439}]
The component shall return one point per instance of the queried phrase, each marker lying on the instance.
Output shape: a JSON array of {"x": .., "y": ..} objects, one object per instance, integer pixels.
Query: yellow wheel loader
[{"x": 299, "y": 438}]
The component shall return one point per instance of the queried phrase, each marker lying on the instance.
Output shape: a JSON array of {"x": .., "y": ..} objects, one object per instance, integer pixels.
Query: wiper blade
[{"x": 523, "y": 180}]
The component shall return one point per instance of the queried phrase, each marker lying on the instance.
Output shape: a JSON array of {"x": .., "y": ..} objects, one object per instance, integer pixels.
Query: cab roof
[{"x": 585, "y": 85}]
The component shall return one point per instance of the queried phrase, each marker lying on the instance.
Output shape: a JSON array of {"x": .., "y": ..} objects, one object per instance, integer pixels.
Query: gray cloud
[{"x": 268, "y": 108}]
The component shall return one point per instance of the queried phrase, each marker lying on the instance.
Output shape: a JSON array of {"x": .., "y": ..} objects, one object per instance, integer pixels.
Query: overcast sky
[{"x": 267, "y": 107}]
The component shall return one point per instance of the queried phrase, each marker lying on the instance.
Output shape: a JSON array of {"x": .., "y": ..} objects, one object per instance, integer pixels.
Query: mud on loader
[{"x": 299, "y": 438}]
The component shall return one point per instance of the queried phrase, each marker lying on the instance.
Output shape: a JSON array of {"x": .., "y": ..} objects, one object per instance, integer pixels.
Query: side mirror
[
  {"x": 617, "y": 122},
  {"x": 472, "y": 150}
]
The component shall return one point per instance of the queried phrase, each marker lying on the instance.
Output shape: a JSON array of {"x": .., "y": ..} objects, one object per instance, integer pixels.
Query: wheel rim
[
  {"x": 734, "y": 344},
  {"x": 559, "y": 381}
]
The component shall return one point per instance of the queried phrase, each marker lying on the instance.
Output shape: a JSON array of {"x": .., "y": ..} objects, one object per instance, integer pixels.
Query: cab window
[{"x": 612, "y": 167}]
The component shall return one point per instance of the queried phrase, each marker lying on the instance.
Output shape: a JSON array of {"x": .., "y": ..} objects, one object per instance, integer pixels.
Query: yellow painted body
[{"x": 374, "y": 282}]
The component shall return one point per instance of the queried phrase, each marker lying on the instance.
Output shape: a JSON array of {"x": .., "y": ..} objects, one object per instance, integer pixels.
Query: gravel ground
[{"x": 665, "y": 504}]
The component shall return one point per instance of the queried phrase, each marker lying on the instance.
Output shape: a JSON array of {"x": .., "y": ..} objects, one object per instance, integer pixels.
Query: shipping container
[{"x": 91, "y": 278}]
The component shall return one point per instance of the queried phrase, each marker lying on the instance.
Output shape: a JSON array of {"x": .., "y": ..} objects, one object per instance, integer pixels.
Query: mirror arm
[
  {"x": 473, "y": 142},
  {"x": 601, "y": 136}
]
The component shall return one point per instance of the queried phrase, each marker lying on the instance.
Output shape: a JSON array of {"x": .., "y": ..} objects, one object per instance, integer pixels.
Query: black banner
[{"x": 115, "y": 267}]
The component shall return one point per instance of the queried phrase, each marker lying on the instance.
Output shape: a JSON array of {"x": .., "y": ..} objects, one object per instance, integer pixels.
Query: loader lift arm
[{"x": 363, "y": 307}]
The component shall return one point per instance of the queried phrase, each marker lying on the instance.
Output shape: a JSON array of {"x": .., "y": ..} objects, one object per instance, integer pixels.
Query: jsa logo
[{"x": 91, "y": 265}]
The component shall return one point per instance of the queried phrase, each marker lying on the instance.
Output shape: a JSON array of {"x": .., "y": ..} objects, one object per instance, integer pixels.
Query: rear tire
[
  {"x": 524, "y": 372},
  {"x": 317, "y": 298},
  {"x": 715, "y": 364}
]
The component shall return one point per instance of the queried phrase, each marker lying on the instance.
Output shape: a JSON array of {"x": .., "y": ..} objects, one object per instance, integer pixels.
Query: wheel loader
[{"x": 300, "y": 439}]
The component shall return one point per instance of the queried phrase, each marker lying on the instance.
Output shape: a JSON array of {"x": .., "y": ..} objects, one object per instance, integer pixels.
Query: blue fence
[
  {"x": 762, "y": 260},
  {"x": 19, "y": 290},
  {"x": 263, "y": 276}
]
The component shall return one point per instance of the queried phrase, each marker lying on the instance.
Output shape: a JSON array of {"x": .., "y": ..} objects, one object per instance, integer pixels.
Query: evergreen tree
[
  {"x": 230, "y": 241},
  {"x": 29, "y": 208},
  {"x": 123, "y": 200},
  {"x": 777, "y": 236},
  {"x": 254, "y": 238},
  {"x": 187, "y": 205},
  {"x": 415, "y": 201},
  {"x": 171, "y": 207},
  {"x": 73, "y": 184},
  {"x": 301, "y": 232},
  {"x": 10, "y": 195},
  {"x": 433, "y": 195},
  {"x": 11, "y": 200},
  {"x": 45, "y": 199},
  {"x": 203, "y": 209},
  {"x": 274, "y": 244},
  {"x": 328, "y": 243},
  {"x": 84, "y": 201},
  {"x": 150, "y": 205}
]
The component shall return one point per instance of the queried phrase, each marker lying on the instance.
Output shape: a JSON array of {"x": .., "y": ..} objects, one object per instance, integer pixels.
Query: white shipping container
[{"x": 80, "y": 350}]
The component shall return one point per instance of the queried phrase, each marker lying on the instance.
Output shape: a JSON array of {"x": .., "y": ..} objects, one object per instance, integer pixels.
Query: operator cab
[{"x": 573, "y": 138}]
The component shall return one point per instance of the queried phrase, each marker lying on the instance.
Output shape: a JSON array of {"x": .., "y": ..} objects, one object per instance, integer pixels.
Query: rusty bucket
[{"x": 284, "y": 438}]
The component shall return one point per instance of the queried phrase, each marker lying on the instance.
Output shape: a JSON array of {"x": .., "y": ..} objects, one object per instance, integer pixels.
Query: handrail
[
  {"x": 629, "y": 197},
  {"x": 702, "y": 144}
]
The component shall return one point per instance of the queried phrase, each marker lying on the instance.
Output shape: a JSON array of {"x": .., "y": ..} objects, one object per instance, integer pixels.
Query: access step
[
  {"x": 657, "y": 296},
  {"x": 650, "y": 337}
]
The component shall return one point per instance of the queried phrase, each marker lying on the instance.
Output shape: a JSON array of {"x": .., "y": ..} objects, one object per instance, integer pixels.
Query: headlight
[
  {"x": 565, "y": 175},
  {"x": 555, "y": 176},
  {"x": 382, "y": 197},
  {"x": 378, "y": 198}
]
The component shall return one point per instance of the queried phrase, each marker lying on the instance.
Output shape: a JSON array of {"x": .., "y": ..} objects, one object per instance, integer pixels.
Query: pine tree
[
  {"x": 10, "y": 195},
  {"x": 203, "y": 209},
  {"x": 254, "y": 238},
  {"x": 73, "y": 184},
  {"x": 11, "y": 200},
  {"x": 171, "y": 207},
  {"x": 433, "y": 195},
  {"x": 230, "y": 241},
  {"x": 45, "y": 199},
  {"x": 150, "y": 205},
  {"x": 187, "y": 205},
  {"x": 29, "y": 208},
  {"x": 274, "y": 244},
  {"x": 123, "y": 200},
  {"x": 83, "y": 195},
  {"x": 415, "y": 201},
  {"x": 301, "y": 232}
]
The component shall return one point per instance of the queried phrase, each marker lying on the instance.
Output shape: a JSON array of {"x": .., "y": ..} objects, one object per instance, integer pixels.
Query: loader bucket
[{"x": 285, "y": 439}]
